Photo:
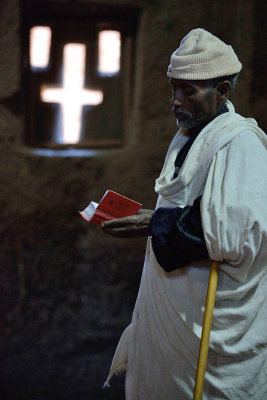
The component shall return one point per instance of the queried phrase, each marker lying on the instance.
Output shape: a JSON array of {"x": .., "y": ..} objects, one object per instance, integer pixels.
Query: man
[{"x": 211, "y": 205}]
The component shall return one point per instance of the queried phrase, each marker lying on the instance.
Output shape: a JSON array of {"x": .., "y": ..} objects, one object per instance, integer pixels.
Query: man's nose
[{"x": 176, "y": 100}]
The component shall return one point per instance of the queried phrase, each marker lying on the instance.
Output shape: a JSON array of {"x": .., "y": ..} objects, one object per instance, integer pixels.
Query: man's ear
[{"x": 223, "y": 91}]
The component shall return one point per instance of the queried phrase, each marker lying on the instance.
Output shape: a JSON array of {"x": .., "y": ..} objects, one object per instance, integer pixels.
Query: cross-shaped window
[{"x": 78, "y": 74}]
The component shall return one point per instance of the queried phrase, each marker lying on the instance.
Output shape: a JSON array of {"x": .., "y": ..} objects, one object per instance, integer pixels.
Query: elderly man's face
[{"x": 193, "y": 102}]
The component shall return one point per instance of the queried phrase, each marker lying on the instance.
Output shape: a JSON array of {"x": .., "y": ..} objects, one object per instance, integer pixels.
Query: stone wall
[{"x": 67, "y": 291}]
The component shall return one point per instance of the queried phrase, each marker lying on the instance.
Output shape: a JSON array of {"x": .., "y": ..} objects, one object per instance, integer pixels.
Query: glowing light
[
  {"x": 40, "y": 42},
  {"x": 72, "y": 96},
  {"x": 109, "y": 50}
]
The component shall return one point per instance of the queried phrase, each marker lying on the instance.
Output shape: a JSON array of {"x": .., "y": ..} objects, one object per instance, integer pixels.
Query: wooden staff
[{"x": 205, "y": 336}]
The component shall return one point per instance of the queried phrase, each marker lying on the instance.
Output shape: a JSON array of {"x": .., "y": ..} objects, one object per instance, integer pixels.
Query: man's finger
[
  {"x": 120, "y": 232},
  {"x": 117, "y": 222}
]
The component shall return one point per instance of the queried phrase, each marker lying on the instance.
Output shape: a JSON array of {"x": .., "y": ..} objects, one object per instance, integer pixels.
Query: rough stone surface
[{"x": 67, "y": 291}]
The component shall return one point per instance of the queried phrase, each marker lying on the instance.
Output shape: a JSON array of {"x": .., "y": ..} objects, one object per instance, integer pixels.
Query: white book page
[
  {"x": 104, "y": 195},
  {"x": 89, "y": 211}
]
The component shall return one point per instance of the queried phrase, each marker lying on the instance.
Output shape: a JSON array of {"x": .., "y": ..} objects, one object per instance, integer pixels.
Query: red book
[{"x": 112, "y": 205}]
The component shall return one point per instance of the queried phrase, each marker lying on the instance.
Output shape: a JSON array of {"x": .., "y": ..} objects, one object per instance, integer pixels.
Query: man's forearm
[{"x": 177, "y": 236}]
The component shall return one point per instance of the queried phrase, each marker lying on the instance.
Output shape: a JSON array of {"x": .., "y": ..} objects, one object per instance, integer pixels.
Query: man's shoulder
[
  {"x": 249, "y": 139},
  {"x": 246, "y": 129}
]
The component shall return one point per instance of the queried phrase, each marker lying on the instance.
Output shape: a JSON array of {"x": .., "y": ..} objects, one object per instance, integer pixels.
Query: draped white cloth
[{"x": 227, "y": 164}]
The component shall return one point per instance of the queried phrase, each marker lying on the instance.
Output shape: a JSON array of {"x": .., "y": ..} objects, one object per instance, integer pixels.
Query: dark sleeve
[{"x": 177, "y": 236}]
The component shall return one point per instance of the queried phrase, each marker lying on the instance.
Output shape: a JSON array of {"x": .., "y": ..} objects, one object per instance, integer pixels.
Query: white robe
[{"x": 227, "y": 164}]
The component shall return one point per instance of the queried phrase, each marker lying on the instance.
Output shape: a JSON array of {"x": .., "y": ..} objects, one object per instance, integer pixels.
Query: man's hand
[{"x": 133, "y": 226}]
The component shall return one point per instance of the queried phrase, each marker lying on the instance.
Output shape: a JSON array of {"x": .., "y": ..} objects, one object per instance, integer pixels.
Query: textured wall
[{"x": 67, "y": 291}]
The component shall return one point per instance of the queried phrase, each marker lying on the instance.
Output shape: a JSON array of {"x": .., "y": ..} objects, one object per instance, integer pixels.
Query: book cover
[{"x": 112, "y": 205}]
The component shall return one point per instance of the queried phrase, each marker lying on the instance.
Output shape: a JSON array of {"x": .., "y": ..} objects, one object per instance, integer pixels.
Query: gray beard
[{"x": 191, "y": 122}]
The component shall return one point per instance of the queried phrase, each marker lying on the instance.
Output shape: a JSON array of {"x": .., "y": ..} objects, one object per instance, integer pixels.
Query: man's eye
[{"x": 188, "y": 91}]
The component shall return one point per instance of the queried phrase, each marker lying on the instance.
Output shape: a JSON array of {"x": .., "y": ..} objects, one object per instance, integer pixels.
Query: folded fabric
[{"x": 177, "y": 236}]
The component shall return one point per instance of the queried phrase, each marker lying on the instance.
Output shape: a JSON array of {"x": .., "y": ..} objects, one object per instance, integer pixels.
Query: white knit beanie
[{"x": 202, "y": 56}]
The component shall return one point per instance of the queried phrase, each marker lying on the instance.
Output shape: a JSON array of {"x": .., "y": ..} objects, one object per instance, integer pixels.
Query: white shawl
[{"x": 227, "y": 164}]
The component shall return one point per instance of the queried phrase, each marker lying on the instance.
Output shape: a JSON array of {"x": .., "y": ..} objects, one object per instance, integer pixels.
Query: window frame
[{"x": 100, "y": 17}]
